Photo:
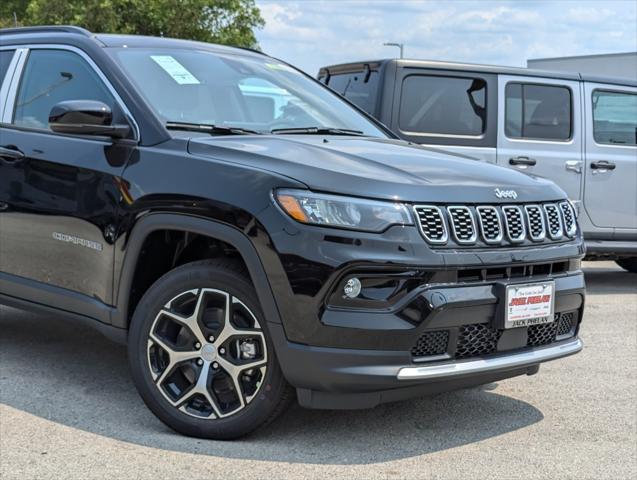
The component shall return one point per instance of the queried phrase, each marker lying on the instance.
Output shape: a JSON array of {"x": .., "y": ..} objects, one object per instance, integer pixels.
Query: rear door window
[
  {"x": 5, "y": 60},
  {"x": 614, "y": 118},
  {"x": 540, "y": 112},
  {"x": 440, "y": 105},
  {"x": 360, "y": 88}
]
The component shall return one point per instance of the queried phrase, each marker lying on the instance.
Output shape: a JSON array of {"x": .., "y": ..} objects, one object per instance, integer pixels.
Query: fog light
[{"x": 352, "y": 288}]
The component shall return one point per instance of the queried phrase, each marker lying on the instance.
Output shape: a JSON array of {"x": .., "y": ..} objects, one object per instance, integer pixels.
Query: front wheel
[
  {"x": 629, "y": 264},
  {"x": 200, "y": 356}
]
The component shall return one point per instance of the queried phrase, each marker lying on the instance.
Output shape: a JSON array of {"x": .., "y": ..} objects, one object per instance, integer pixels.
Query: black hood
[{"x": 377, "y": 168}]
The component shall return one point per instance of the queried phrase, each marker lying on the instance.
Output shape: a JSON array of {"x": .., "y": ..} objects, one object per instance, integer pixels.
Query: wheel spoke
[
  {"x": 189, "y": 322},
  {"x": 229, "y": 330},
  {"x": 175, "y": 357},
  {"x": 201, "y": 388},
  {"x": 234, "y": 372}
]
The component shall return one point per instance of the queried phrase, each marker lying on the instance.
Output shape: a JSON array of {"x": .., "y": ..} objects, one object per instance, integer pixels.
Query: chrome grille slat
[
  {"x": 432, "y": 224},
  {"x": 490, "y": 224},
  {"x": 554, "y": 221},
  {"x": 535, "y": 222},
  {"x": 496, "y": 225},
  {"x": 514, "y": 223},
  {"x": 568, "y": 218},
  {"x": 463, "y": 225}
]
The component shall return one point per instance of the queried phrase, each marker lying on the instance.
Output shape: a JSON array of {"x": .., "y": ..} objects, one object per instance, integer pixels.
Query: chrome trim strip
[
  {"x": 548, "y": 221},
  {"x": 462, "y": 208},
  {"x": 445, "y": 230},
  {"x": 522, "y": 236},
  {"x": 498, "y": 239},
  {"x": 92, "y": 64},
  {"x": 511, "y": 361},
  {"x": 542, "y": 235}
]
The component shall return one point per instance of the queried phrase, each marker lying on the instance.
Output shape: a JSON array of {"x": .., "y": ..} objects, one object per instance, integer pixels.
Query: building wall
[{"x": 611, "y": 65}]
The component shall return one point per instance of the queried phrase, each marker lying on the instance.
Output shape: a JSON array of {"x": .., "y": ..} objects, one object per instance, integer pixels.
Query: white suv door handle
[
  {"x": 574, "y": 166},
  {"x": 602, "y": 166}
]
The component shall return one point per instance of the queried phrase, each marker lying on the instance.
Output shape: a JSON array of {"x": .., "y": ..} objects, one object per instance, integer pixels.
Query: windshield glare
[{"x": 257, "y": 93}]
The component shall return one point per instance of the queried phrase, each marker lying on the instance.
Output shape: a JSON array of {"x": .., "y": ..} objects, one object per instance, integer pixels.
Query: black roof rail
[{"x": 47, "y": 29}]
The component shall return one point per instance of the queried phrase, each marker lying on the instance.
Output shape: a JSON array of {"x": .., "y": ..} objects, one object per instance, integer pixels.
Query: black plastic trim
[{"x": 166, "y": 221}]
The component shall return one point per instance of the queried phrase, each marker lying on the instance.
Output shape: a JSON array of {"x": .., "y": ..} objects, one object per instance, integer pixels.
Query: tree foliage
[{"x": 231, "y": 22}]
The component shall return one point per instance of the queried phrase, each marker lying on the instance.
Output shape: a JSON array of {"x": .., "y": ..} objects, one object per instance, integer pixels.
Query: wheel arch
[{"x": 153, "y": 222}]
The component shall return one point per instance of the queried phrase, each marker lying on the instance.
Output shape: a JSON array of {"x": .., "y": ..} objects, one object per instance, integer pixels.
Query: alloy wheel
[{"x": 207, "y": 353}]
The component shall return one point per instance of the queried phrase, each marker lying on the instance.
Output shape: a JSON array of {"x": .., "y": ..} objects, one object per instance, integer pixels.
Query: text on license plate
[{"x": 529, "y": 304}]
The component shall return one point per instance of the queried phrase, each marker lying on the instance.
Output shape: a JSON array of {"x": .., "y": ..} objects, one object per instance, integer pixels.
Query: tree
[{"x": 230, "y": 22}]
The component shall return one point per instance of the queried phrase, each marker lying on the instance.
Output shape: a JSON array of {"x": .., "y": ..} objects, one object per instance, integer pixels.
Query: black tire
[
  {"x": 272, "y": 392},
  {"x": 629, "y": 264}
]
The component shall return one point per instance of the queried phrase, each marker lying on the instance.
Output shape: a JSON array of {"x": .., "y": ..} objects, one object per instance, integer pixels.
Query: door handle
[
  {"x": 573, "y": 166},
  {"x": 10, "y": 153},
  {"x": 602, "y": 166},
  {"x": 522, "y": 162}
]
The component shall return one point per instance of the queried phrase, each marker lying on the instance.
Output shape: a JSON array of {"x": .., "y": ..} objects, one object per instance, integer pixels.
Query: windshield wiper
[
  {"x": 212, "y": 129},
  {"x": 316, "y": 131}
]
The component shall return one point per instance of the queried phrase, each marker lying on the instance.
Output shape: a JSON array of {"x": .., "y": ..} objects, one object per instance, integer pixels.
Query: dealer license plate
[{"x": 529, "y": 304}]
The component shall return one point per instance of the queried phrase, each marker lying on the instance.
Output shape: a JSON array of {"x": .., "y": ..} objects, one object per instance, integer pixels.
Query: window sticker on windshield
[{"x": 175, "y": 69}]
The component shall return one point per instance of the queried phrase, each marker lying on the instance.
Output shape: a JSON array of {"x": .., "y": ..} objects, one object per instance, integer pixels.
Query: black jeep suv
[{"x": 246, "y": 231}]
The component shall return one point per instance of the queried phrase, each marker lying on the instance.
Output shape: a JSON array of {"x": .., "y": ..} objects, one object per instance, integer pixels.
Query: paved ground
[{"x": 68, "y": 409}]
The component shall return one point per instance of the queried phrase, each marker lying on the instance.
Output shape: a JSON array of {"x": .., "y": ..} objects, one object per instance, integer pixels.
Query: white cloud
[{"x": 313, "y": 33}]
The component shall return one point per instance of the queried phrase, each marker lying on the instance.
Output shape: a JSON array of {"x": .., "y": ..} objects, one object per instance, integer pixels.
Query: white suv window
[
  {"x": 614, "y": 117},
  {"x": 541, "y": 112}
]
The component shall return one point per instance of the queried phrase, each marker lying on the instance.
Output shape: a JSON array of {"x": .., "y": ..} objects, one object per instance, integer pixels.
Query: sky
[{"x": 313, "y": 33}]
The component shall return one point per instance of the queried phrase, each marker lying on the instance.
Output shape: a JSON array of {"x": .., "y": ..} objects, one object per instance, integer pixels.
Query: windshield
[{"x": 255, "y": 93}]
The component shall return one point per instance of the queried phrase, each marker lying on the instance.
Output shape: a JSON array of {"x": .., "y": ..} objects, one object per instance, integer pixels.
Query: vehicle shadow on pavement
[
  {"x": 71, "y": 375},
  {"x": 604, "y": 277}
]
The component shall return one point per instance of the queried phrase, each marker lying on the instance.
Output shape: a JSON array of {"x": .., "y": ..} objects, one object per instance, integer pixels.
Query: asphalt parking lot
[{"x": 68, "y": 409}]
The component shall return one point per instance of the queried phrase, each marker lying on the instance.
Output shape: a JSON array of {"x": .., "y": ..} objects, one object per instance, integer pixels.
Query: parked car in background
[{"x": 576, "y": 130}]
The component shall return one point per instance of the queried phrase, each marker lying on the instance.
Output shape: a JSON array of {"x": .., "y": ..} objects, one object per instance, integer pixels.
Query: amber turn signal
[{"x": 293, "y": 208}]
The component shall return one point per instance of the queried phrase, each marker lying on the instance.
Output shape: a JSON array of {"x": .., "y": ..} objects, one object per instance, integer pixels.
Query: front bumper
[
  {"x": 350, "y": 377},
  {"x": 479, "y": 366},
  {"x": 330, "y": 378}
]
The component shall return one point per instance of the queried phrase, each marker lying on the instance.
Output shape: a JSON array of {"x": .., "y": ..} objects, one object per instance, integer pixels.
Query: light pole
[{"x": 399, "y": 45}]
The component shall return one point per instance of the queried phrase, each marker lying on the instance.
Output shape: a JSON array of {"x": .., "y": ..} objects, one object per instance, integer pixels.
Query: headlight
[{"x": 342, "y": 212}]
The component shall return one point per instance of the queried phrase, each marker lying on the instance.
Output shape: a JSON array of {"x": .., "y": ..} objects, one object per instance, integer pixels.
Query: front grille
[
  {"x": 565, "y": 324},
  {"x": 432, "y": 224},
  {"x": 568, "y": 216},
  {"x": 513, "y": 223},
  {"x": 554, "y": 221},
  {"x": 462, "y": 224},
  {"x": 542, "y": 334},
  {"x": 537, "y": 229},
  {"x": 490, "y": 224},
  {"x": 480, "y": 339},
  {"x": 431, "y": 343},
  {"x": 466, "y": 225},
  {"x": 477, "y": 339}
]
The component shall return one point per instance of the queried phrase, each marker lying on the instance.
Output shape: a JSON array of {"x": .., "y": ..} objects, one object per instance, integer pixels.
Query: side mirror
[{"x": 85, "y": 117}]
